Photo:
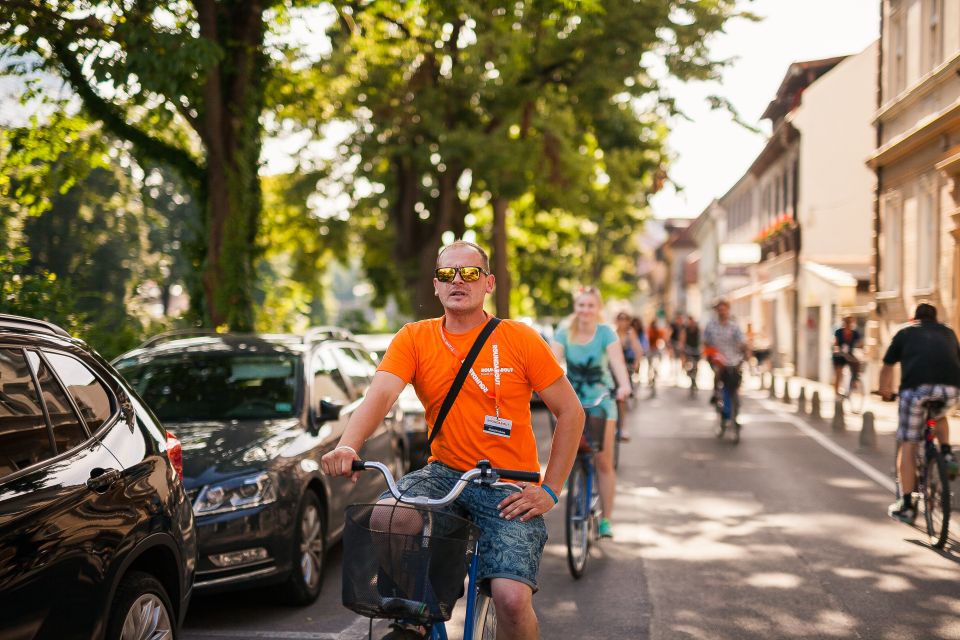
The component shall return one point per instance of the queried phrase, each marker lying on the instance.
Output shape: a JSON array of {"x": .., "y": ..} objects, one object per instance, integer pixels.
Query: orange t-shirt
[{"x": 419, "y": 356}]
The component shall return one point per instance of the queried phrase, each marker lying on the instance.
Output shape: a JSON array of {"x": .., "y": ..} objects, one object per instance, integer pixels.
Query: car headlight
[{"x": 236, "y": 494}]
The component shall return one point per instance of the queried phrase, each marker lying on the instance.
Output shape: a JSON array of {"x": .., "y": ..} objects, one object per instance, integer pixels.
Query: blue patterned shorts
[
  {"x": 911, "y": 427},
  {"x": 508, "y": 548}
]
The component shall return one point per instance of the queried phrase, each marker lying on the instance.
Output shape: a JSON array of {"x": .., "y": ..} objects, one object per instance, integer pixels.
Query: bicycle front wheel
[
  {"x": 936, "y": 499},
  {"x": 578, "y": 520},
  {"x": 485, "y": 620}
]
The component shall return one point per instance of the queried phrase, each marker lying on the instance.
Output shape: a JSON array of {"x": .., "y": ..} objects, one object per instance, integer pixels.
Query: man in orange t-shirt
[{"x": 488, "y": 421}]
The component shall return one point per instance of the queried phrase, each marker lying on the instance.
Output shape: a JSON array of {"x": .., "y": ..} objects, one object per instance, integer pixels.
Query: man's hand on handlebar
[
  {"x": 531, "y": 501},
  {"x": 339, "y": 462}
]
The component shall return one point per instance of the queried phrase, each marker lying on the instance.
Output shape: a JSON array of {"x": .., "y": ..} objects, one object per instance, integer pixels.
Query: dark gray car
[{"x": 255, "y": 413}]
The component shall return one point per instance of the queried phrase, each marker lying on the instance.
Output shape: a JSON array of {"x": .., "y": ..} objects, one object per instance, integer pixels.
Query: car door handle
[{"x": 101, "y": 479}]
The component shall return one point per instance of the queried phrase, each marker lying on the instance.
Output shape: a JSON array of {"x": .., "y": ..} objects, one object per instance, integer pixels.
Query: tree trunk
[
  {"x": 500, "y": 258},
  {"x": 233, "y": 101},
  {"x": 418, "y": 241}
]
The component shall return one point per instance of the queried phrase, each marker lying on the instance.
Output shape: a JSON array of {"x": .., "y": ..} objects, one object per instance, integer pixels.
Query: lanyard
[{"x": 473, "y": 374}]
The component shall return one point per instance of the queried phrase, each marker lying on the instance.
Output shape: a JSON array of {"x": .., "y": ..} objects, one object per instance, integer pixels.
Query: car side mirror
[{"x": 328, "y": 411}]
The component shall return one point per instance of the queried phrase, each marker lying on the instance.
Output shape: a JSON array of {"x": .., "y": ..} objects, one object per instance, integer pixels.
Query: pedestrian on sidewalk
[
  {"x": 592, "y": 351},
  {"x": 929, "y": 357}
]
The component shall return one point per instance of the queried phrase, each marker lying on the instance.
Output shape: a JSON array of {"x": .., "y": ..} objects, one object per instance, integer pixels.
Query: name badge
[{"x": 497, "y": 426}]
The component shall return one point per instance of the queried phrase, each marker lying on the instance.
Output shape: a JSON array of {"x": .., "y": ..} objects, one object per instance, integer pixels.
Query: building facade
[{"x": 917, "y": 164}]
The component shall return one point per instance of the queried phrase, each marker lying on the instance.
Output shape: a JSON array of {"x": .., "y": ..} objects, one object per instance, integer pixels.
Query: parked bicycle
[
  {"x": 407, "y": 561},
  {"x": 932, "y": 479},
  {"x": 583, "y": 511}
]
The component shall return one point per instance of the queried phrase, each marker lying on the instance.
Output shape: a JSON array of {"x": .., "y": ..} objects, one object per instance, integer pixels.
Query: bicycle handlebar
[{"x": 483, "y": 473}]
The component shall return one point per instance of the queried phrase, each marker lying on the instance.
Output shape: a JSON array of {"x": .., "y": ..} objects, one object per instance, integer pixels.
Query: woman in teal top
[{"x": 591, "y": 350}]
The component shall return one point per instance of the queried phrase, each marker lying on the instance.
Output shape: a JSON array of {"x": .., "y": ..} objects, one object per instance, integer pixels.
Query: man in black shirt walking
[{"x": 929, "y": 357}]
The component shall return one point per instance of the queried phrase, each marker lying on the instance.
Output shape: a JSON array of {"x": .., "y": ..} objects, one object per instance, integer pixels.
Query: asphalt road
[{"x": 782, "y": 536}]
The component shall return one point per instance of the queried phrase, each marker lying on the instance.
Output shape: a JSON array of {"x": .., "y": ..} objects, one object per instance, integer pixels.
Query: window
[
  {"x": 357, "y": 367},
  {"x": 927, "y": 233},
  {"x": 24, "y": 437},
  {"x": 933, "y": 38},
  {"x": 91, "y": 398},
  {"x": 892, "y": 229},
  {"x": 897, "y": 71},
  {"x": 68, "y": 431},
  {"x": 328, "y": 382},
  {"x": 199, "y": 386}
]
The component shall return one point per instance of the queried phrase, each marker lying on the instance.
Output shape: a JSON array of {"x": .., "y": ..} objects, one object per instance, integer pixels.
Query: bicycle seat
[{"x": 933, "y": 404}]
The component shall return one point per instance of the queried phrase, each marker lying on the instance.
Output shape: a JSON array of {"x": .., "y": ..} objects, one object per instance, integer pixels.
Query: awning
[
  {"x": 770, "y": 289},
  {"x": 834, "y": 276}
]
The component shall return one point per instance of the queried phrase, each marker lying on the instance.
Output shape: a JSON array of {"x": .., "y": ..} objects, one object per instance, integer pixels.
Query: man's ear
[{"x": 491, "y": 283}]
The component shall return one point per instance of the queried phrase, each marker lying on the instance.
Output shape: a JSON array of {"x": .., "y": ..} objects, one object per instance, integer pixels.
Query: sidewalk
[{"x": 885, "y": 413}]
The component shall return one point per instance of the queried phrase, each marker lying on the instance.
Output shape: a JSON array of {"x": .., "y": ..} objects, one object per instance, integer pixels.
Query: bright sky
[{"x": 712, "y": 152}]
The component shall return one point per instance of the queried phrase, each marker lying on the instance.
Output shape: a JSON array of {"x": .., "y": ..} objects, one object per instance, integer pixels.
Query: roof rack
[
  {"x": 177, "y": 334},
  {"x": 21, "y": 322},
  {"x": 327, "y": 333}
]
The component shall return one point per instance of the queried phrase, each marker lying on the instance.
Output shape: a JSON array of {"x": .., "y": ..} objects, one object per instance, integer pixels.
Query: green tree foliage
[
  {"x": 457, "y": 107},
  {"x": 183, "y": 82},
  {"x": 38, "y": 294},
  {"x": 103, "y": 230}
]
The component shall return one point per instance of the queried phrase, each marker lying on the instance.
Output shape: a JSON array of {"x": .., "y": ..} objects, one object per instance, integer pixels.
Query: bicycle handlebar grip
[
  {"x": 521, "y": 476},
  {"x": 358, "y": 465}
]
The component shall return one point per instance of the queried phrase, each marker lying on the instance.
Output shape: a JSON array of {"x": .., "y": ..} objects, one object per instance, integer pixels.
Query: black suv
[
  {"x": 96, "y": 533},
  {"x": 255, "y": 414}
]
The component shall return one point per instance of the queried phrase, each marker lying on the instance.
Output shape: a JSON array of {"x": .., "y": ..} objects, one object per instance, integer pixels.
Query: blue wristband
[{"x": 551, "y": 493}]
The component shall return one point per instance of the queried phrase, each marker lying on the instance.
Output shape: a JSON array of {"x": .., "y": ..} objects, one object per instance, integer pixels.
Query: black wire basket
[{"x": 405, "y": 562}]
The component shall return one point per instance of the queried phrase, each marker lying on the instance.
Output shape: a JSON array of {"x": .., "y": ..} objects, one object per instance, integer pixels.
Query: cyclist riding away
[
  {"x": 845, "y": 340},
  {"x": 691, "y": 349},
  {"x": 929, "y": 358},
  {"x": 591, "y": 350},
  {"x": 632, "y": 352},
  {"x": 726, "y": 349},
  {"x": 489, "y": 420}
]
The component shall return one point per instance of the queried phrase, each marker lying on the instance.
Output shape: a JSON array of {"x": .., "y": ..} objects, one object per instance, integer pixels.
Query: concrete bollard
[
  {"x": 837, "y": 424},
  {"x": 802, "y": 401},
  {"x": 786, "y": 390},
  {"x": 773, "y": 386},
  {"x": 868, "y": 435},
  {"x": 815, "y": 406}
]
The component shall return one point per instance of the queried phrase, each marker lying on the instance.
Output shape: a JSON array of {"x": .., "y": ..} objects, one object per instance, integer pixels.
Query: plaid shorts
[
  {"x": 508, "y": 548},
  {"x": 911, "y": 427}
]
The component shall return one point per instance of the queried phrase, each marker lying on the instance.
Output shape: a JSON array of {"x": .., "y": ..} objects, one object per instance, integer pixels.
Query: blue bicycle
[
  {"x": 583, "y": 494},
  {"x": 406, "y": 562}
]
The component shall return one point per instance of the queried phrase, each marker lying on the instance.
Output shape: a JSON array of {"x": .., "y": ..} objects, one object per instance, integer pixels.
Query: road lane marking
[{"x": 871, "y": 472}]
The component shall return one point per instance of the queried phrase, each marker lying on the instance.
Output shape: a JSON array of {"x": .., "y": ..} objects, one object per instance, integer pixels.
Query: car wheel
[
  {"x": 309, "y": 544},
  {"x": 141, "y": 610}
]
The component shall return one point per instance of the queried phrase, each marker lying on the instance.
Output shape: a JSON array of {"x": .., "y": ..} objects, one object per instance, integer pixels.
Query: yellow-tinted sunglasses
[{"x": 469, "y": 274}]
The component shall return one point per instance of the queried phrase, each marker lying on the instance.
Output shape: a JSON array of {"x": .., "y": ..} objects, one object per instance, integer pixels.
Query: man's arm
[
  {"x": 886, "y": 381},
  {"x": 382, "y": 394},
  {"x": 561, "y": 399}
]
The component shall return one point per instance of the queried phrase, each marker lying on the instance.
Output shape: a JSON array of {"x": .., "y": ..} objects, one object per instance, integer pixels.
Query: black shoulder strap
[{"x": 462, "y": 376}]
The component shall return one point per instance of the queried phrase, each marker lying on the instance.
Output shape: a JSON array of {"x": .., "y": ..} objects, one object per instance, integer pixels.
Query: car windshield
[{"x": 209, "y": 386}]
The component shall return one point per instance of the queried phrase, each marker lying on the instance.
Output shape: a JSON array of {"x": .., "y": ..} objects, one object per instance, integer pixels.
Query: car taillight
[{"x": 175, "y": 453}]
